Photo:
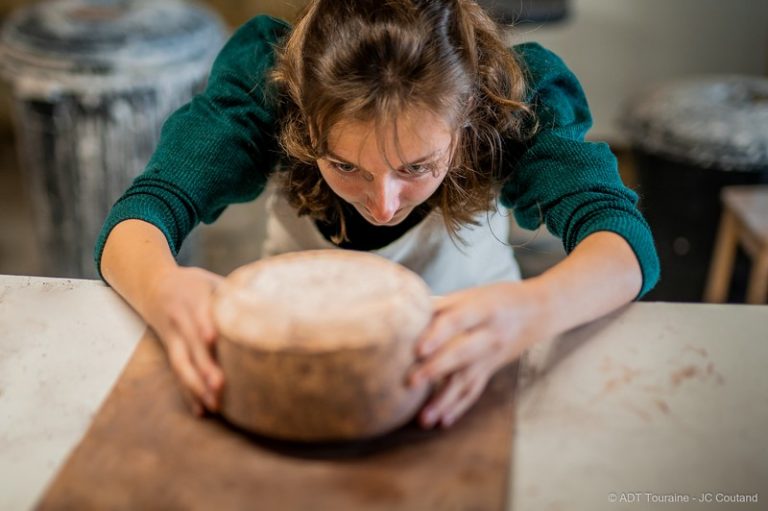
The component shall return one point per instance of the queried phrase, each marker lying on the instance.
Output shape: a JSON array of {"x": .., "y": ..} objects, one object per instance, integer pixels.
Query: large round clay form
[{"x": 317, "y": 345}]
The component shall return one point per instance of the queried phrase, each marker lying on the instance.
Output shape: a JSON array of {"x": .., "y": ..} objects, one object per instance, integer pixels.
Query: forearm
[
  {"x": 135, "y": 254},
  {"x": 600, "y": 275}
]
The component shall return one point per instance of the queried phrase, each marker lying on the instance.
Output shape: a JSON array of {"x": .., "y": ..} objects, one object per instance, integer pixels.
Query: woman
[{"x": 398, "y": 127}]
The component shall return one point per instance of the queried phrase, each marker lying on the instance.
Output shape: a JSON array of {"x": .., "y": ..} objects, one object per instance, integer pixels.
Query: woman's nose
[{"x": 384, "y": 200}]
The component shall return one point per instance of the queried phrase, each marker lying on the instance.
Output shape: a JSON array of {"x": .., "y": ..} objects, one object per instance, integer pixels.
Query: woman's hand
[
  {"x": 178, "y": 306},
  {"x": 474, "y": 333},
  {"x": 175, "y": 301}
]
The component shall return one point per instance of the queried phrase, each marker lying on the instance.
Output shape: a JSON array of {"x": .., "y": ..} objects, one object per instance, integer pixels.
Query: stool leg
[
  {"x": 722, "y": 261},
  {"x": 758, "y": 279}
]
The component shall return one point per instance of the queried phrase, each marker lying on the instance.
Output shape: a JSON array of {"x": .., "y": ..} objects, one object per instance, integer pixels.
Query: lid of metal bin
[
  {"x": 719, "y": 122},
  {"x": 107, "y": 36}
]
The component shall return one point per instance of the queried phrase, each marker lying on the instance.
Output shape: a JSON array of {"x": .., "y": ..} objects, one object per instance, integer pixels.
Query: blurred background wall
[
  {"x": 620, "y": 47},
  {"x": 616, "y": 47}
]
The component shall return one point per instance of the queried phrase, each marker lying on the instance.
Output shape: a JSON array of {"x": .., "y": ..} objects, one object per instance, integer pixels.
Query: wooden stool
[{"x": 745, "y": 221}]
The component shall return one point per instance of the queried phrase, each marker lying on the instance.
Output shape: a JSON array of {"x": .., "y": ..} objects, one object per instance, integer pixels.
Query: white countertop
[
  {"x": 63, "y": 343},
  {"x": 657, "y": 401}
]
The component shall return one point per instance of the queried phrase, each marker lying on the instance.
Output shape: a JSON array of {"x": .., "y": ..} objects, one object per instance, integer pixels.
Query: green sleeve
[
  {"x": 216, "y": 150},
  {"x": 561, "y": 180}
]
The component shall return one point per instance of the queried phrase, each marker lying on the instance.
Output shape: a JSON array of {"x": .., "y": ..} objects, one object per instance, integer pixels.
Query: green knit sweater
[{"x": 221, "y": 147}]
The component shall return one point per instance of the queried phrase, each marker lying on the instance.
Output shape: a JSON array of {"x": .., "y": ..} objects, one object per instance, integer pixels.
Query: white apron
[{"x": 426, "y": 248}]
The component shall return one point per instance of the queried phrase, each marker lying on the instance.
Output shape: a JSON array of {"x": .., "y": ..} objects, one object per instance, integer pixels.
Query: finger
[
  {"x": 440, "y": 302},
  {"x": 459, "y": 352},
  {"x": 181, "y": 362},
  {"x": 205, "y": 358},
  {"x": 463, "y": 388},
  {"x": 199, "y": 354},
  {"x": 205, "y": 324},
  {"x": 209, "y": 372},
  {"x": 445, "y": 325},
  {"x": 205, "y": 321},
  {"x": 473, "y": 389},
  {"x": 431, "y": 413}
]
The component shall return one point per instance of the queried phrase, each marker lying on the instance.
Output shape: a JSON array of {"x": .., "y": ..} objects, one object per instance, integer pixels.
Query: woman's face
[{"x": 386, "y": 183}]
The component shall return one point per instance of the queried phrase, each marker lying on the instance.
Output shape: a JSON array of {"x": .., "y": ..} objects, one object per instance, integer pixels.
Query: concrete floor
[{"x": 234, "y": 239}]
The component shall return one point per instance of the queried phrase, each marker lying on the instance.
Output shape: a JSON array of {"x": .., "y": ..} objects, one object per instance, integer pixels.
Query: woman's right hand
[
  {"x": 175, "y": 301},
  {"x": 178, "y": 306}
]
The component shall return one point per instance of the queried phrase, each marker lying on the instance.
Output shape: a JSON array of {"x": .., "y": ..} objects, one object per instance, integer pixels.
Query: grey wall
[{"x": 619, "y": 47}]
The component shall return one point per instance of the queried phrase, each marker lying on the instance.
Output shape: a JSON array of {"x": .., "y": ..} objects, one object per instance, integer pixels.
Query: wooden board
[{"x": 145, "y": 450}]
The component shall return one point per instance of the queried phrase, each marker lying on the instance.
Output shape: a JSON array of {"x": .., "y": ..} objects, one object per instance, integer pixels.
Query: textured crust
[{"x": 320, "y": 362}]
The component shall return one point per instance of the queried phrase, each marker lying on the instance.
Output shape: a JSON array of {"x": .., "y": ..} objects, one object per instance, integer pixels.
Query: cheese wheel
[{"x": 317, "y": 345}]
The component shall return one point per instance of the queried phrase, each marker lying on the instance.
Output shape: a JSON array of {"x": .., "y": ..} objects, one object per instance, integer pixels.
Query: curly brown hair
[{"x": 369, "y": 60}]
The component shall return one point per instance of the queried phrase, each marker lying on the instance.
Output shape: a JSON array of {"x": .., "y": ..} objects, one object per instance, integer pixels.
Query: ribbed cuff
[{"x": 148, "y": 208}]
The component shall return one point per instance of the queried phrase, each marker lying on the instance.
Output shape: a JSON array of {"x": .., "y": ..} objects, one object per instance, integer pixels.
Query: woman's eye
[
  {"x": 344, "y": 168},
  {"x": 416, "y": 170}
]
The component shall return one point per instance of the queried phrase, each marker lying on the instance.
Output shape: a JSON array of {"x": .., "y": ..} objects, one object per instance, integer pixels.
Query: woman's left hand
[{"x": 474, "y": 333}]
